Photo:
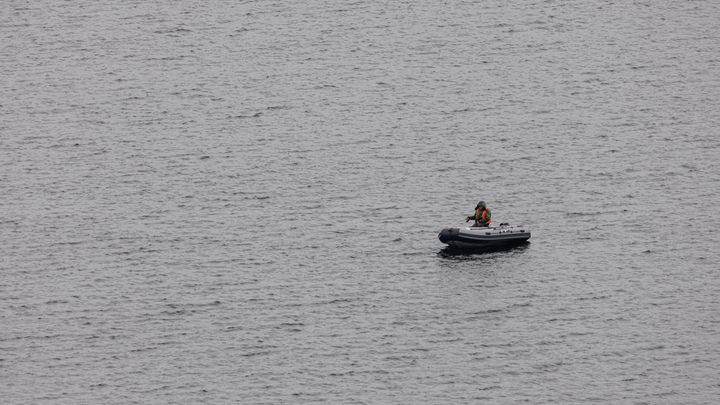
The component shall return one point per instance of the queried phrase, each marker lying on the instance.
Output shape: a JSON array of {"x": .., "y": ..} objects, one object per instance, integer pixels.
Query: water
[{"x": 238, "y": 202}]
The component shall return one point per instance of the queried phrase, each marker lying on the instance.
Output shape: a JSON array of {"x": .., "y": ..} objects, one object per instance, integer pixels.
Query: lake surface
[{"x": 238, "y": 202}]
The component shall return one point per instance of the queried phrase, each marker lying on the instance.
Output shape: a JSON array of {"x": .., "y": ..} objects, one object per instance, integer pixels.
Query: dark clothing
[{"x": 482, "y": 216}]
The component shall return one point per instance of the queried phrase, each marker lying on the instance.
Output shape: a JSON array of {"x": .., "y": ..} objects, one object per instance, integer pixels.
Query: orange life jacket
[{"x": 481, "y": 220}]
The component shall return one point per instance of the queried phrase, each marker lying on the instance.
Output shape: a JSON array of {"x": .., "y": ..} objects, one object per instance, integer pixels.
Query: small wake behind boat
[{"x": 485, "y": 238}]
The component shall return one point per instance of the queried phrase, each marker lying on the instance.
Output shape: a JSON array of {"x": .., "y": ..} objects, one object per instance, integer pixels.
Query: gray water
[{"x": 238, "y": 202}]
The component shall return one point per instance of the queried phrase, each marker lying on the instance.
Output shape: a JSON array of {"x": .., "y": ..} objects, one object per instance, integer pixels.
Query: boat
[{"x": 485, "y": 238}]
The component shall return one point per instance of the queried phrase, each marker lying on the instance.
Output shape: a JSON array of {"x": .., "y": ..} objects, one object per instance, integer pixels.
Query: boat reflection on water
[{"x": 455, "y": 253}]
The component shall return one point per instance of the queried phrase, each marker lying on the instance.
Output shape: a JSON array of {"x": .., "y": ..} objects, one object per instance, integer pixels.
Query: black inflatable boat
[{"x": 485, "y": 238}]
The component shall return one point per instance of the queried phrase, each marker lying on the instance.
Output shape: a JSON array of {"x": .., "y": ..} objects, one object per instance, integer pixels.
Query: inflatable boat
[{"x": 485, "y": 238}]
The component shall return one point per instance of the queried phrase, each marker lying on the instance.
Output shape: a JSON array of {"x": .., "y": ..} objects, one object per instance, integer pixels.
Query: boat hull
[{"x": 484, "y": 239}]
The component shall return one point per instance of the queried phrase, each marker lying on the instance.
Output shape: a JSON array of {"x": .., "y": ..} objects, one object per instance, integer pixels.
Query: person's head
[{"x": 481, "y": 204}]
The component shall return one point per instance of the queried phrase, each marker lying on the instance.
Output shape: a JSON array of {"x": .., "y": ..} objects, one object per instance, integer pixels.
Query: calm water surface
[{"x": 238, "y": 202}]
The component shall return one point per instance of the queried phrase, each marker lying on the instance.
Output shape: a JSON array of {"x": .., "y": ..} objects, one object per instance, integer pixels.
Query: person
[{"x": 482, "y": 215}]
